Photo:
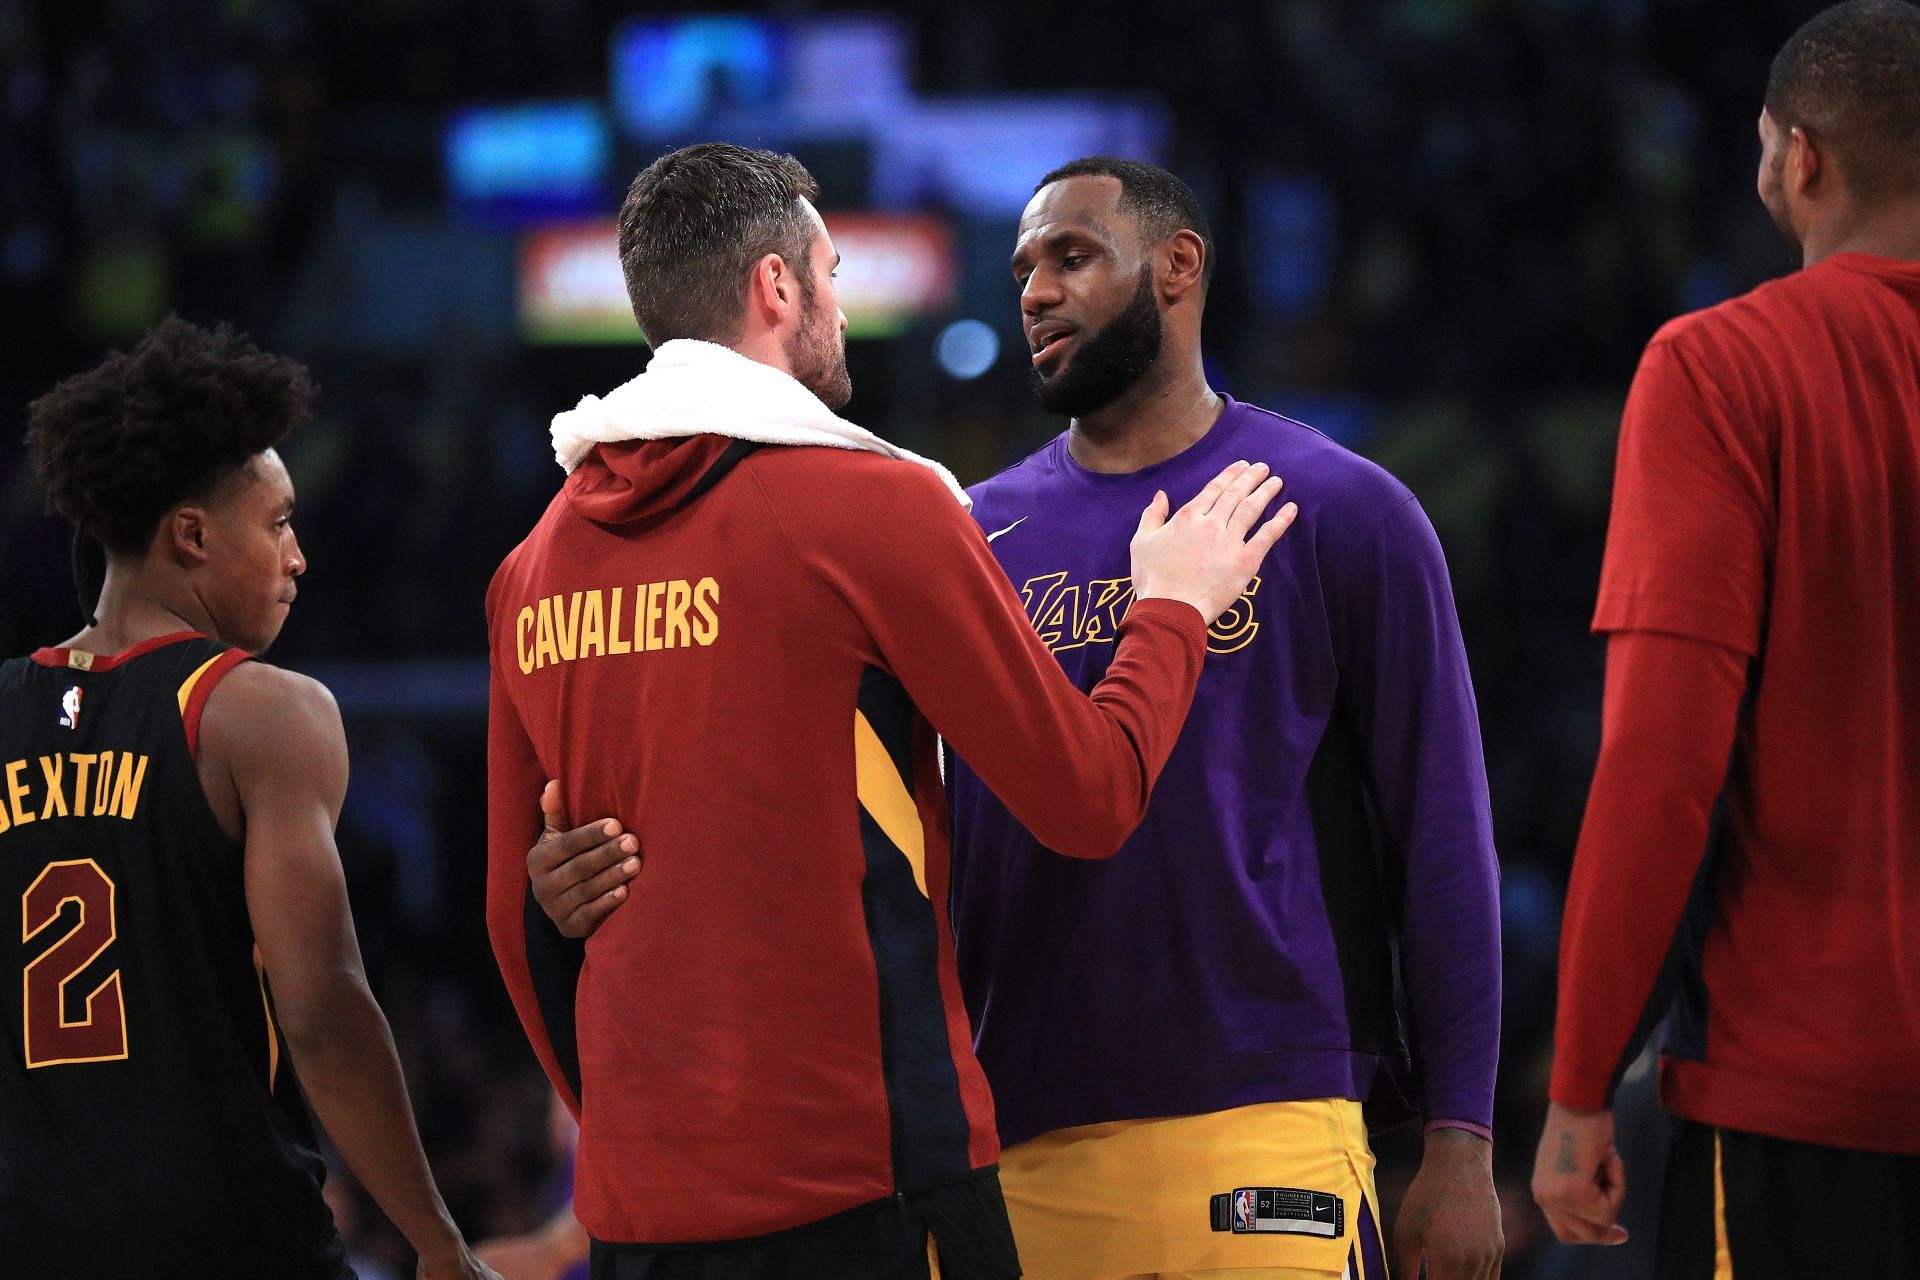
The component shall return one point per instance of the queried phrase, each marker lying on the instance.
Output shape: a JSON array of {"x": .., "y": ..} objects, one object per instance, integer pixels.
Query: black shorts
[
  {"x": 964, "y": 1223},
  {"x": 1738, "y": 1204}
]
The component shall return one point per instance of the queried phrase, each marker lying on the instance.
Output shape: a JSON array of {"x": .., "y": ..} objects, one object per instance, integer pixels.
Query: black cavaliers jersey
[{"x": 150, "y": 1121}]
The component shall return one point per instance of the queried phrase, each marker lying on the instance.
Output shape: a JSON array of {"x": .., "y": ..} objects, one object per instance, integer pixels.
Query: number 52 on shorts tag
[{"x": 1280, "y": 1211}]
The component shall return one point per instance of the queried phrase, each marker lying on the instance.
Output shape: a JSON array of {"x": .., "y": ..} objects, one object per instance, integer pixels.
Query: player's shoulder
[
  {"x": 1318, "y": 470},
  {"x": 1733, "y": 319},
  {"x": 810, "y": 463},
  {"x": 815, "y": 478},
  {"x": 1769, "y": 320},
  {"x": 518, "y": 564},
  {"x": 1016, "y": 485},
  {"x": 510, "y": 571},
  {"x": 259, "y": 702}
]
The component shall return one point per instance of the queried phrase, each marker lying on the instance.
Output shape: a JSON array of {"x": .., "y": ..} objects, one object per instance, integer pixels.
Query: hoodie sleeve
[
  {"x": 1672, "y": 709},
  {"x": 1075, "y": 768},
  {"x": 541, "y": 968}
]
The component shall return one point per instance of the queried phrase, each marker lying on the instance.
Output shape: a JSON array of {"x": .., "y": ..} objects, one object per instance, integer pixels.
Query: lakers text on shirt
[
  {"x": 601, "y": 623},
  {"x": 77, "y": 784}
]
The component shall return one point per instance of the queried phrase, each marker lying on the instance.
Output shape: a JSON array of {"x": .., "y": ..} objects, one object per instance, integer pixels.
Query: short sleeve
[{"x": 1689, "y": 542}]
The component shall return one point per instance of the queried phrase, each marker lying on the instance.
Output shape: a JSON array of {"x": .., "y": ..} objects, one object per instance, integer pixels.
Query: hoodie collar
[{"x": 701, "y": 388}]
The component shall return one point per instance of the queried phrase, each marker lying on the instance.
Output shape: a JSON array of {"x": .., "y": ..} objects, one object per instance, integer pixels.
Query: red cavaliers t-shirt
[{"x": 1768, "y": 501}]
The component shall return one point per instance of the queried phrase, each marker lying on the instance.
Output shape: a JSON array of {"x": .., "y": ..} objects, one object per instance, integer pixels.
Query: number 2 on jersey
[{"x": 52, "y": 1038}]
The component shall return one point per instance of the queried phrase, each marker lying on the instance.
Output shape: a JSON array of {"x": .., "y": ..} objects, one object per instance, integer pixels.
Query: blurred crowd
[{"x": 1446, "y": 229}]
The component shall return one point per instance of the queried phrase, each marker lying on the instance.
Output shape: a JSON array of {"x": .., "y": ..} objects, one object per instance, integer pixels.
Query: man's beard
[
  {"x": 818, "y": 355},
  {"x": 1109, "y": 362}
]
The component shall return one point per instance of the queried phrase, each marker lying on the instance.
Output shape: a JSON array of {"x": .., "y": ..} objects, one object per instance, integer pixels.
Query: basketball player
[
  {"x": 188, "y": 972},
  {"x": 1755, "y": 810},
  {"x": 1198, "y": 1107}
]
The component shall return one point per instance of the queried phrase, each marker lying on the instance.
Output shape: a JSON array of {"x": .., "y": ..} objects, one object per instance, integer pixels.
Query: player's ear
[
  {"x": 184, "y": 531},
  {"x": 771, "y": 290},
  {"x": 1806, "y": 161},
  {"x": 1184, "y": 258}
]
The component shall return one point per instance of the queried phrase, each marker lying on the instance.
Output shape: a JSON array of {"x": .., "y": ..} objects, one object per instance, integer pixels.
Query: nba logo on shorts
[
  {"x": 70, "y": 708},
  {"x": 1243, "y": 1210}
]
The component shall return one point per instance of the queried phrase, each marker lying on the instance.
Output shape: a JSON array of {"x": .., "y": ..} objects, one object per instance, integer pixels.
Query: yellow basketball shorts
[{"x": 1274, "y": 1191}]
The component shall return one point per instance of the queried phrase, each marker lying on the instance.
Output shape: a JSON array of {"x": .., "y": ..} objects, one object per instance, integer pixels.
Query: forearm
[
  {"x": 1086, "y": 802},
  {"x": 1075, "y": 769},
  {"x": 1438, "y": 817},
  {"x": 1426, "y": 761},
  {"x": 280, "y": 736},
  {"x": 1450, "y": 956},
  {"x": 1404, "y": 669},
  {"x": 344, "y": 1052},
  {"x": 1670, "y": 716}
]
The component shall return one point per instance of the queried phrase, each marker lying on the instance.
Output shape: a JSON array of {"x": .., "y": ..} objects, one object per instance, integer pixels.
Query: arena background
[{"x": 1446, "y": 229}]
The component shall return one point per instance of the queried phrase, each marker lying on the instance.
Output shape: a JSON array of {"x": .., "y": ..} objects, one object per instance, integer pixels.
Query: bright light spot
[{"x": 966, "y": 349}]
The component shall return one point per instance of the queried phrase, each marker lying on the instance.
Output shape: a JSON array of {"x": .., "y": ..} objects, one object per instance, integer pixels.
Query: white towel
[{"x": 701, "y": 388}]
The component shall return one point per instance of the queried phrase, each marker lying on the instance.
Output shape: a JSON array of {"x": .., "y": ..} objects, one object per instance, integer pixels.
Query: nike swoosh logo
[{"x": 1009, "y": 529}]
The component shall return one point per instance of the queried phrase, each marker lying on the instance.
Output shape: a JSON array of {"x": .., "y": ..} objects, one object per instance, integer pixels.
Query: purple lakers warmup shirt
[{"x": 1324, "y": 812}]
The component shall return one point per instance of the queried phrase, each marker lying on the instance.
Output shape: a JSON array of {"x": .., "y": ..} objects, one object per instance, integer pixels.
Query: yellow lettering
[
  {"x": 706, "y": 627},
  {"x": 1066, "y": 615},
  {"x": 126, "y": 788},
  {"x": 82, "y": 767},
  {"x": 640, "y": 617},
  {"x": 544, "y": 652},
  {"x": 6, "y": 821},
  {"x": 16, "y": 792},
  {"x": 1040, "y": 595},
  {"x": 103, "y": 785},
  {"x": 567, "y": 626},
  {"x": 615, "y": 644},
  {"x": 1103, "y": 614},
  {"x": 53, "y": 768},
  {"x": 650, "y": 633},
  {"x": 679, "y": 595},
  {"x": 523, "y": 640},
  {"x": 1119, "y": 604},
  {"x": 1058, "y": 621},
  {"x": 1235, "y": 629},
  {"x": 593, "y": 627}
]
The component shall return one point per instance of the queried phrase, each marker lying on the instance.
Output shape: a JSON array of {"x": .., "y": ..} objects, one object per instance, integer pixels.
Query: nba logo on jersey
[
  {"x": 1244, "y": 1210},
  {"x": 70, "y": 708}
]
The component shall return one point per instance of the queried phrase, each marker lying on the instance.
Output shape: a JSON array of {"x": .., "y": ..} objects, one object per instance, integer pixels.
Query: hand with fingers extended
[
  {"x": 1202, "y": 554},
  {"x": 1579, "y": 1180},
  {"x": 579, "y": 875}
]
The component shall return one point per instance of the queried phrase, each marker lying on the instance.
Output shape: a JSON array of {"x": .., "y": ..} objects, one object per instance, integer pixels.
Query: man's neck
[
  {"x": 132, "y": 610},
  {"x": 1886, "y": 229},
  {"x": 764, "y": 347},
  {"x": 1156, "y": 419}
]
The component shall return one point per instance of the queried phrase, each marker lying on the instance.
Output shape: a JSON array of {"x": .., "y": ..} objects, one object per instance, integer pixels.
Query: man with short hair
[
  {"x": 166, "y": 826},
  {"x": 748, "y": 651},
  {"x": 1756, "y": 804},
  {"x": 1196, "y": 1106}
]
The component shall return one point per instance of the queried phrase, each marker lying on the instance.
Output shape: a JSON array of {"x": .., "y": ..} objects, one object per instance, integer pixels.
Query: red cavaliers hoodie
[{"x": 745, "y": 657}]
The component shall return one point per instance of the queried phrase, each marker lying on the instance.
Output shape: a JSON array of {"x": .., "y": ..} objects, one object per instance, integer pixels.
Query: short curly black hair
[
  {"x": 1159, "y": 202},
  {"x": 168, "y": 422},
  {"x": 1851, "y": 78}
]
